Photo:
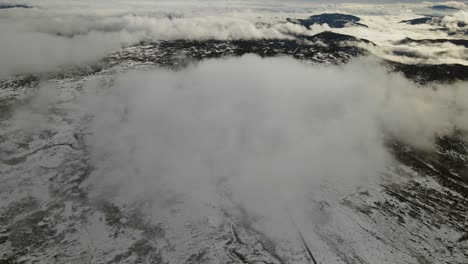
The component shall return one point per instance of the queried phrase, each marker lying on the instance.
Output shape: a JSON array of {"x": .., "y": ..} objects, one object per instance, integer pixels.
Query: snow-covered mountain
[{"x": 290, "y": 143}]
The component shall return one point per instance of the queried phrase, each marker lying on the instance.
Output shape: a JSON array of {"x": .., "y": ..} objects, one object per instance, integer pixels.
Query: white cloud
[
  {"x": 262, "y": 131},
  {"x": 53, "y": 35},
  {"x": 25, "y": 52},
  {"x": 99, "y": 28},
  {"x": 42, "y": 40},
  {"x": 456, "y": 22}
]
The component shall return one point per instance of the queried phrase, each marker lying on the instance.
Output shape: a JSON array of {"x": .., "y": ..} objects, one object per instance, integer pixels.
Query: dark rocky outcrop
[
  {"x": 438, "y": 21},
  {"x": 332, "y": 38},
  {"x": 10, "y": 6},
  {"x": 419, "y": 21},
  {"x": 444, "y": 8},
  {"x": 333, "y": 20},
  {"x": 459, "y": 42},
  {"x": 425, "y": 73},
  {"x": 325, "y": 47}
]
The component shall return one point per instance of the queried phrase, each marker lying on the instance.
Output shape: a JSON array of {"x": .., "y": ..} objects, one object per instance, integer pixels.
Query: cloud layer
[
  {"x": 53, "y": 35},
  {"x": 267, "y": 133}
]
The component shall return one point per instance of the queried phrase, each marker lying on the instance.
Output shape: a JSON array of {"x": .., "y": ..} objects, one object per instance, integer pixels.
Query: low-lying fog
[{"x": 264, "y": 133}]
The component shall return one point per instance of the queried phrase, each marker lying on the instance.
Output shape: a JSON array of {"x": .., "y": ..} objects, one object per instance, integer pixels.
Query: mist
[
  {"x": 52, "y": 36},
  {"x": 265, "y": 134}
]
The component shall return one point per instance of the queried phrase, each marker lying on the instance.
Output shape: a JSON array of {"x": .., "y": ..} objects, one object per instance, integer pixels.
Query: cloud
[
  {"x": 53, "y": 35},
  {"x": 266, "y": 133},
  {"x": 40, "y": 40},
  {"x": 33, "y": 52},
  {"x": 457, "y": 22},
  {"x": 386, "y": 32}
]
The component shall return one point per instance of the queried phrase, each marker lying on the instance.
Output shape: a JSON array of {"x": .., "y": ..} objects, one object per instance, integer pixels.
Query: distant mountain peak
[
  {"x": 9, "y": 6},
  {"x": 443, "y": 7},
  {"x": 333, "y": 20}
]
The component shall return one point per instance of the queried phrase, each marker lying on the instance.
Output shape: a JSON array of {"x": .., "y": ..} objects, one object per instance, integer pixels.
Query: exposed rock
[
  {"x": 421, "y": 20},
  {"x": 444, "y": 7},
  {"x": 459, "y": 42},
  {"x": 333, "y": 20},
  {"x": 425, "y": 73},
  {"x": 9, "y": 6}
]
